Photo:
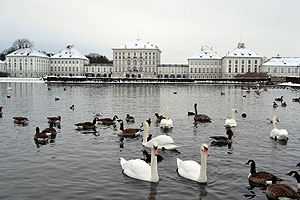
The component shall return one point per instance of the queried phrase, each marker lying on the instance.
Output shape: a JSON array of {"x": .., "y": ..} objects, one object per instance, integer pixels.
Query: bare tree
[{"x": 18, "y": 44}]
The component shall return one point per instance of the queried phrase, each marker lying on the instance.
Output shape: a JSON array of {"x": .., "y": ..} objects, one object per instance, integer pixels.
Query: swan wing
[
  {"x": 230, "y": 123},
  {"x": 188, "y": 169},
  {"x": 136, "y": 168},
  {"x": 166, "y": 123},
  {"x": 164, "y": 141},
  {"x": 279, "y": 134}
]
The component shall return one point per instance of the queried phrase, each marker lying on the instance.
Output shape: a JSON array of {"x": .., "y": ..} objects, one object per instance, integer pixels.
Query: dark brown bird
[
  {"x": 296, "y": 99},
  {"x": 88, "y": 125},
  {"x": 159, "y": 117},
  {"x": 275, "y": 191},
  {"x": 20, "y": 120},
  {"x": 129, "y": 118},
  {"x": 129, "y": 132},
  {"x": 261, "y": 178},
  {"x": 200, "y": 117},
  {"x": 223, "y": 140},
  {"x": 50, "y": 132},
  {"x": 279, "y": 99},
  {"x": 40, "y": 136},
  {"x": 1, "y": 110},
  {"x": 109, "y": 121},
  {"x": 54, "y": 120},
  {"x": 296, "y": 175}
]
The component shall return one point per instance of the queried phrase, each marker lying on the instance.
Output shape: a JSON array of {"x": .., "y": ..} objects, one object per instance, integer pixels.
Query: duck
[
  {"x": 166, "y": 123},
  {"x": 109, "y": 121},
  {"x": 147, "y": 157},
  {"x": 277, "y": 191},
  {"x": 87, "y": 125},
  {"x": 275, "y": 105},
  {"x": 229, "y": 123},
  {"x": 278, "y": 134},
  {"x": 223, "y": 140},
  {"x": 191, "y": 169},
  {"x": 50, "y": 132},
  {"x": 72, "y": 107},
  {"x": 279, "y": 99},
  {"x": 128, "y": 132},
  {"x": 20, "y": 120},
  {"x": 1, "y": 112},
  {"x": 159, "y": 117},
  {"x": 243, "y": 115},
  {"x": 139, "y": 169},
  {"x": 261, "y": 178},
  {"x": 283, "y": 104},
  {"x": 296, "y": 99},
  {"x": 200, "y": 117},
  {"x": 296, "y": 175},
  {"x": 165, "y": 142},
  {"x": 56, "y": 98},
  {"x": 222, "y": 93},
  {"x": 40, "y": 136},
  {"x": 54, "y": 120},
  {"x": 148, "y": 121},
  {"x": 190, "y": 113},
  {"x": 298, "y": 165},
  {"x": 129, "y": 118}
]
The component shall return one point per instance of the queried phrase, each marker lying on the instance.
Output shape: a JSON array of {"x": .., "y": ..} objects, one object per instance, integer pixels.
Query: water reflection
[
  {"x": 153, "y": 191},
  {"x": 202, "y": 190}
]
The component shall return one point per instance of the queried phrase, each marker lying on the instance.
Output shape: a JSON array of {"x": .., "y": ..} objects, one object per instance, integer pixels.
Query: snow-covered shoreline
[{"x": 27, "y": 80}]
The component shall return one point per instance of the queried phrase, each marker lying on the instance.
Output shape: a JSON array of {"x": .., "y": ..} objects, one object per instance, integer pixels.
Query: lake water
[{"x": 86, "y": 166}]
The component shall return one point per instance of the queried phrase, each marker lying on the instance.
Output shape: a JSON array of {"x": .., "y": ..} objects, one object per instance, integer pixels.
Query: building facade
[
  {"x": 136, "y": 59},
  {"x": 27, "y": 62},
  {"x": 205, "y": 64},
  {"x": 282, "y": 67},
  {"x": 239, "y": 61},
  {"x": 2, "y": 66},
  {"x": 98, "y": 70},
  {"x": 68, "y": 61},
  {"x": 172, "y": 71}
]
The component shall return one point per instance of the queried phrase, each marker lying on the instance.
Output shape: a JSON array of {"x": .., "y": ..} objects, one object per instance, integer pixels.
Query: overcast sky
[{"x": 178, "y": 27}]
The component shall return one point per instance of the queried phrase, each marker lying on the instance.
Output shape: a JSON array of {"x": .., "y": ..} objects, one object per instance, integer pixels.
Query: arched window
[
  {"x": 141, "y": 62},
  {"x": 140, "y": 69},
  {"x": 128, "y": 69},
  {"x": 134, "y": 62},
  {"x": 128, "y": 62}
]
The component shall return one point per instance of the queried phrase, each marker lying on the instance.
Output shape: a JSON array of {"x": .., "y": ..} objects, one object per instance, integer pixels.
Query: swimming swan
[
  {"x": 277, "y": 134},
  {"x": 229, "y": 123},
  {"x": 166, "y": 123},
  {"x": 139, "y": 169},
  {"x": 191, "y": 169}
]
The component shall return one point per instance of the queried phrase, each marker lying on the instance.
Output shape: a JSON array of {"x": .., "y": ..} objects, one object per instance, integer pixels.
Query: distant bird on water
[
  {"x": 244, "y": 115},
  {"x": 72, "y": 107},
  {"x": 20, "y": 120}
]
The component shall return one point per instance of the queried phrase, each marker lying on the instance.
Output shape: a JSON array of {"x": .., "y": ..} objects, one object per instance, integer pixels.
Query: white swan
[
  {"x": 191, "y": 169},
  {"x": 231, "y": 122},
  {"x": 139, "y": 169},
  {"x": 166, "y": 123},
  {"x": 164, "y": 141},
  {"x": 277, "y": 134}
]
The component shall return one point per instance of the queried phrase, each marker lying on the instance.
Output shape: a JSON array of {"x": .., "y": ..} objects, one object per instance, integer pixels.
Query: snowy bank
[
  {"x": 28, "y": 80},
  {"x": 290, "y": 84}
]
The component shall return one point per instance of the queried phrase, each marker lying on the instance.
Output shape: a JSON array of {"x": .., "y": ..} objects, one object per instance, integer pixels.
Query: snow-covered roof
[
  {"x": 28, "y": 52},
  {"x": 1, "y": 62},
  {"x": 242, "y": 51},
  {"x": 138, "y": 44},
  {"x": 69, "y": 52},
  {"x": 283, "y": 61},
  {"x": 205, "y": 53}
]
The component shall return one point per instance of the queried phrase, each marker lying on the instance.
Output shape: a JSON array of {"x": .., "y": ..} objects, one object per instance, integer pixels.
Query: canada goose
[
  {"x": 275, "y": 191},
  {"x": 279, "y": 99},
  {"x": 72, "y": 107},
  {"x": 283, "y": 104},
  {"x": 139, "y": 169},
  {"x": 129, "y": 132},
  {"x": 40, "y": 137},
  {"x": 87, "y": 125},
  {"x": 231, "y": 122},
  {"x": 159, "y": 117},
  {"x": 261, "y": 178},
  {"x": 109, "y": 121},
  {"x": 1, "y": 110},
  {"x": 296, "y": 99},
  {"x": 56, "y": 98},
  {"x": 200, "y": 117},
  {"x": 148, "y": 121},
  {"x": 296, "y": 175},
  {"x": 278, "y": 134},
  {"x": 191, "y": 169},
  {"x": 222, "y": 140},
  {"x": 222, "y": 93},
  {"x": 298, "y": 165},
  {"x": 8, "y": 96},
  {"x": 190, "y": 113},
  {"x": 244, "y": 115},
  {"x": 50, "y": 132},
  {"x": 275, "y": 105},
  {"x": 54, "y": 120},
  {"x": 147, "y": 157},
  {"x": 20, "y": 120},
  {"x": 129, "y": 118},
  {"x": 244, "y": 95}
]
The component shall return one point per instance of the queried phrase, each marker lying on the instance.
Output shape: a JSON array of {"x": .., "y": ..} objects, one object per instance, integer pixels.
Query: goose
[
  {"x": 283, "y": 104},
  {"x": 40, "y": 136},
  {"x": 128, "y": 132},
  {"x": 166, "y": 123},
  {"x": 54, "y": 120},
  {"x": 191, "y": 169},
  {"x": 1, "y": 112},
  {"x": 277, "y": 134},
  {"x": 56, "y": 98},
  {"x": 298, "y": 165},
  {"x": 200, "y": 117},
  {"x": 147, "y": 157},
  {"x": 72, "y": 107},
  {"x": 222, "y": 93},
  {"x": 279, "y": 99},
  {"x": 296, "y": 99},
  {"x": 231, "y": 122},
  {"x": 20, "y": 120},
  {"x": 87, "y": 125},
  {"x": 275, "y": 105},
  {"x": 165, "y": 142},
  {"x": 261, "y": 178},
  {"x": 222, "y": 140},
  {"x": 139, "y": 169},
  {"x": 109, "y": 121},
  {"x": 148, "y": 121},
  {"x": 159, "y": 117},
  {"x": 50, "y": 132},
  {"x": 296, "y": 175},
  {"x": 190, "y": 113},
  {"x": 244, "y": 115},
  {"x": 277, "y": 191},
  {"x": 129, "y": 118}
]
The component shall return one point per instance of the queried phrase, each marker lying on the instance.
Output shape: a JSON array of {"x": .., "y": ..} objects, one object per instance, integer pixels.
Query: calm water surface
[{"x": 86, "y": 166}]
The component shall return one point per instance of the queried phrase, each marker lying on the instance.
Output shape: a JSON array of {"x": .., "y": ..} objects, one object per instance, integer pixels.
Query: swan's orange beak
[
  {"x": 206, "y": 151},
  {"x": 155, "y": 151}
]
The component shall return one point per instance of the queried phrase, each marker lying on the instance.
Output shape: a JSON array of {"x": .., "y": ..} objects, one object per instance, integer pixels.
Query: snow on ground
[
  {"x": 290, "y": 84},
  {"x": 8, "y": 79}
]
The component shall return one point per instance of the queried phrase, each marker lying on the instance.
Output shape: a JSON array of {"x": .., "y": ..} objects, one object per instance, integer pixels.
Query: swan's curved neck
[
  {"x": 202, "y": 176},
  {"x": 154, "y": 173},
  {"x": 232, "y": 112},
  {"x": 274, "y": 122},
  {"x": 196, "y": 113},
  {"x": 167, "y": 114},
  {"x": 145, "y": 136}
]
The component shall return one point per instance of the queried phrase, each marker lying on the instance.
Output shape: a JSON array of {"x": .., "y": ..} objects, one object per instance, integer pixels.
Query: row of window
[
  {"x": 31, "y": 60},
  {"x": 65, "y": 69},
  {"x": 135, "y": 53},
  {"x": 282, "y": 70},
  {"x": 134, "y": 62},
  {"x": 205, "y": 62},
  {"x": 206, "y": 70},
  {"x": 242, "y": 70},
  {"x": 242, "y": 61},
  {"x": 134, "y": 57}
]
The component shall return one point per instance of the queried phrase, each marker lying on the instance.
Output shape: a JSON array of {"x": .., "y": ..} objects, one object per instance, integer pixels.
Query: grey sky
[{"x": 179, "y": 28}]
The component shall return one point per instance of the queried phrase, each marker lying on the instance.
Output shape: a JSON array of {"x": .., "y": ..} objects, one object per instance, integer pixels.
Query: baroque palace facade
[{"x": 139, "y": 59}]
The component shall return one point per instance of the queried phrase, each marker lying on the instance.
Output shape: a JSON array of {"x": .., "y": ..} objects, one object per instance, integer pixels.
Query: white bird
[
  {"x": 166, "y": 123},
  {"x": 165, "y": 142},
  {"x": 139, "y": 169},
  {"x": 229, "y": 123},
  {"x": 191, "y": 169},
  {"x": 277, "y": 134}
]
